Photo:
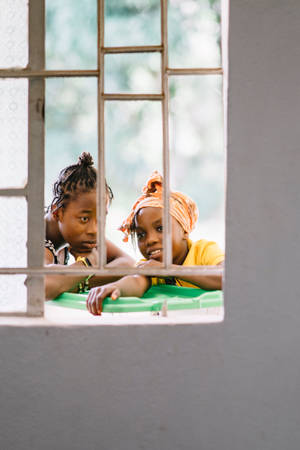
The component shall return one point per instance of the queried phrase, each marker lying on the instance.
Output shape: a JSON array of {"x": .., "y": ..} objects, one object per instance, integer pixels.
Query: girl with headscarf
[{"x": 145, "y": 224}]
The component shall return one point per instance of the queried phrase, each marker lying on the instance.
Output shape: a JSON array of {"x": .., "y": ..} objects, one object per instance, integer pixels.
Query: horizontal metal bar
[
  {"x": 14, "y": 314},
  {"x": 26, "y": 73},
  {"x": 184, "y": 270},
  {"x": 133, "y": 49},
  {"x": 13, "y": 192},
  {"x": 195, "y": 71},
  {"x": 133, "y": 96}
]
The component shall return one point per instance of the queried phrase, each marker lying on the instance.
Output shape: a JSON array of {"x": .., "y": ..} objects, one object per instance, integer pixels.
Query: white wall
[{"x": 230, "y": 386}]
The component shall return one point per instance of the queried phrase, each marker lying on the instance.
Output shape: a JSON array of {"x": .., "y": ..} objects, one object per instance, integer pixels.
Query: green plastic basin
[{"x": 177, "y": 298}]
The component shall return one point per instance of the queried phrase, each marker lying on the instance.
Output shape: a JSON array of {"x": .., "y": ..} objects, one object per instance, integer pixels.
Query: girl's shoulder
[
  {"x": 114, "y": 252},
  {"x": 204, "y": 252},
  {"x": 59, "y": 256}
]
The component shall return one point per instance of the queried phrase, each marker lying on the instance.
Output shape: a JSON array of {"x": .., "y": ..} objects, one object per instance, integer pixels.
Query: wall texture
[{"x": 228, "y": 386}]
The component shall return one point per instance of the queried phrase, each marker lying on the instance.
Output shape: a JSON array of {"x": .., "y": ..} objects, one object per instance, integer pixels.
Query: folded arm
[
  {"x": 129, "y": 286},
  {"x": 207, "y": 282},
  {"x": 115, "y": 258},
  {"x": 57, "y": 284}
]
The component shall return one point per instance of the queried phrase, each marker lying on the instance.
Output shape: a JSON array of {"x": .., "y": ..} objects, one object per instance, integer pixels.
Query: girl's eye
[
  {"x": 84, "y": 219},
  {"x": 159, "y": 228},
  {"x": 140, "y": 235}
]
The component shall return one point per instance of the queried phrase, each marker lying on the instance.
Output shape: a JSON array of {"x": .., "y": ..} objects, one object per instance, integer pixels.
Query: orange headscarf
[{"x": 183, "y": 208}]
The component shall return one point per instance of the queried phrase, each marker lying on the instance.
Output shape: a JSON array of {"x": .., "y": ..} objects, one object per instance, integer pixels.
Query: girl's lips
[
  {"x": 89, "y": 244},
  {"x": 155, "y": 254}
]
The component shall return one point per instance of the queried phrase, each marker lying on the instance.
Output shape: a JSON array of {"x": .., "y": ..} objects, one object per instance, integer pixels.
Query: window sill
[{"x": 59, "y": 316}]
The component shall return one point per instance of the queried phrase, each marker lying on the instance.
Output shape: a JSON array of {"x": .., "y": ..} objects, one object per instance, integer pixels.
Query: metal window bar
[
  {"x": 167, "y": 232},
  {"x": 27, "y": 73},
  {"x": 207, "y": 270},
  {"x": 19, "y": 192},
  {"x": 36, "y": 74},
  {"x": 101, "y": 205},
  {"x": 35, "y": 187}
]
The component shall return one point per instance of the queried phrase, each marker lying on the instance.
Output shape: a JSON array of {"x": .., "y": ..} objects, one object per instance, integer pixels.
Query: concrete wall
[{"x": 233, "y": 386}]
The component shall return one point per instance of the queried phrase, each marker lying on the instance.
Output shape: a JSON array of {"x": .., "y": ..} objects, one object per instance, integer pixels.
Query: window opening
[{"x": 162, "y": 48}]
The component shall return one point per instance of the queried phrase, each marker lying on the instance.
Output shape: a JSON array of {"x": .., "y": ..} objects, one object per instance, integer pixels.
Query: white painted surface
[
  {"x": 228, "y": 386},
  {"x": 57, "y": 315}
]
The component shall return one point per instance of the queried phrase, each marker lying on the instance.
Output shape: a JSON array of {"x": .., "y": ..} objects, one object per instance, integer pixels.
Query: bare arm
[
  {"x": 129, "y": 286},
  {"x": 207, "y": 282},
  {"x": 115, "y": 258},
  {"x": 57, "y": 284}
]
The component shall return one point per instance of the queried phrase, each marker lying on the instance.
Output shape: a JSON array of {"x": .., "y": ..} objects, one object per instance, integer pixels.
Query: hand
[
  {"x": 149, "y": 263},
  {"x": 98, "y": 294}
]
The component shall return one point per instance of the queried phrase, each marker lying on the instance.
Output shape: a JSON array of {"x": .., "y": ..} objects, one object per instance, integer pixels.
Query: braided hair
[{"x": 77, "y": 177}]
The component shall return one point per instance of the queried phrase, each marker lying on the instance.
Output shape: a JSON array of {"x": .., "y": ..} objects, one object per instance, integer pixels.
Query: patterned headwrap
[{"x": 183, "y": 208}]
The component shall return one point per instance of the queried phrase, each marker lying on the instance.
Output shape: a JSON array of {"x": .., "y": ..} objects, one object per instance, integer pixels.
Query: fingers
[
  {"x": 115, "y": 294},
  {"x": 97, "y": 295},
  {"x": 149, "y": 263},
  {"x": 94, "y": 301}
]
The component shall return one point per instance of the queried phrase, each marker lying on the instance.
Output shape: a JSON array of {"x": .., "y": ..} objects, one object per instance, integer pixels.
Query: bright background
[{"x": 133, "y": 130}]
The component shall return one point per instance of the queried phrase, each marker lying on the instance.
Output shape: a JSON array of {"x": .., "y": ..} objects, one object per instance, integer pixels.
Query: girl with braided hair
[
  {"x": 71, "y": 227},
  {"x": 145, "y": 223}
]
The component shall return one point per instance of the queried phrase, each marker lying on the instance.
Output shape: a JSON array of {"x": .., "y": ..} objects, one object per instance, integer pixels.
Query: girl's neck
[
  {"x": 181, "y": 258},
  {"x": 52, "y": 231}
]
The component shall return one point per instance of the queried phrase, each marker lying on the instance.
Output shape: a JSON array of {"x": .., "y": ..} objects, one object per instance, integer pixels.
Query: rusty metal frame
[
  {"x": 25, "y": 73},
  {"x": 36, "y": 159},
  {"x": 101, "y": 139},
  {"x": 167, "y": 231},
  {"x": 207, "y": 270},
  {"x": 34, "y": 191}
]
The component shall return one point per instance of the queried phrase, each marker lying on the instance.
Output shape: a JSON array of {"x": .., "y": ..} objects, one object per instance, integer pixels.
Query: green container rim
[{"x": 177, "y": 298}]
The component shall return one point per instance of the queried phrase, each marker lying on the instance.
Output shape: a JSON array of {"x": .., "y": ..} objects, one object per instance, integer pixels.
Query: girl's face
[
  {"x": 77, "y": 222},
  {"x": 149, "y": 232}
]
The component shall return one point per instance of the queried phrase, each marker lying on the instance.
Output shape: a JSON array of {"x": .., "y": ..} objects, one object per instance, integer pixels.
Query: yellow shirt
[{"x": 201, "y": 253}]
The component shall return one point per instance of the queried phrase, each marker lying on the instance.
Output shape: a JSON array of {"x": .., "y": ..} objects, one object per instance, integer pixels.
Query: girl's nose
[
  {"x": 92, "y": 227},
  {"x": 152, "y": 239}
]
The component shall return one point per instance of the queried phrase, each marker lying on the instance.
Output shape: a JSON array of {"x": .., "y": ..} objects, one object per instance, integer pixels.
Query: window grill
[{"x": 36, "y": 74}]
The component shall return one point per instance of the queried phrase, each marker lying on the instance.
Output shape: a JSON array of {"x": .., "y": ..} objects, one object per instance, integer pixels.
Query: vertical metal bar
[
  {"x": 224, "y": 32},
  {"x": 35, "y": 197},
  {"x": 167, "y": 231},
  {"x": 224, "y": 64},
  {"x": 101, "y": 141}
]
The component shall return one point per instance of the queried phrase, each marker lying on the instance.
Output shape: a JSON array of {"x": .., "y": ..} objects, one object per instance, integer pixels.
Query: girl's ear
[
  {"x": 186, "y": 236},
  {"x": 56, "y": 213}
]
